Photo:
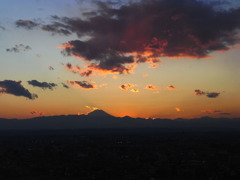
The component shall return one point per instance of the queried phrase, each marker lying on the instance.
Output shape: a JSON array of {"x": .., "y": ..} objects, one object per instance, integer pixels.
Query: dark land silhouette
[
  {"x": 100, "y": 146},
  {"x": 101, "y": 119}
]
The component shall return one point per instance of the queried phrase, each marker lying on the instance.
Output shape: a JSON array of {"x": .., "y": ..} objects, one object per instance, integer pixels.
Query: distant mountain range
[{"x": 101, "y": 119}]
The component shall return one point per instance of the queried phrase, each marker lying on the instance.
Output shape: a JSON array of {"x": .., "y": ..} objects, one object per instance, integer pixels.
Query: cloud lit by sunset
[{"x": 140, "y": 57}]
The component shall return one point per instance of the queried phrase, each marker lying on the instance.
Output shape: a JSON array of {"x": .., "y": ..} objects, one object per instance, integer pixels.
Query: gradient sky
[{"x": 156, "y": 58}]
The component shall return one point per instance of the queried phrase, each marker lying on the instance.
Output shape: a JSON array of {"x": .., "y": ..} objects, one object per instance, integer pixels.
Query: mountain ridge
[{"x": 101, "y": 119}]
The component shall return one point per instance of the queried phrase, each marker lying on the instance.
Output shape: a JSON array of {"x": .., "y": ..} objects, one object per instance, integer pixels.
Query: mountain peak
[{"x": 99, "y": 113}]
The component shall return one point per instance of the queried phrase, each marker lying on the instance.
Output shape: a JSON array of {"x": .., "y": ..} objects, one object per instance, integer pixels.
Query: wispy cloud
[
  {"x": 219, "y": 112},
  {"x": 18, "y": 48},
  {"x": 208, "y": 94},
  {"x": 82, "y": 84},
  {"x": 43, "y": 85},
  {"x": 37, "y": 113},
  {"x": 50, "y": 68}
]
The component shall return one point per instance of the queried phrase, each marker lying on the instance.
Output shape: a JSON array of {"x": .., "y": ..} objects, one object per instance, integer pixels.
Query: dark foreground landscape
[
  {"x": 119, "y": 154},
  {"x": 101, "y": 146}
]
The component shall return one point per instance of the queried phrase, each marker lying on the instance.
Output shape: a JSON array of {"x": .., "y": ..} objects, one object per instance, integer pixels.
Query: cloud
[
  {"x": 18, "y": 48},
  {"x": 199, "y": 92},
  {"x": 177, "y": 109},
  {"x": 225, "y": 114},
  {"x": 86, "y": 73},
  {"x": 134, "y": 90},
  {"x": 2, "y": 28},
  {"x": 145, "y": 75},
  {"x": 65, "y": 86},
  {"x": 212, "y": 94},
  {"x": 43, "y": 85},
  {"x": 50, "y": 68},
  {"x": 208, "y": 94},
  {"x": 54, "y": 28},
  {"x": 210, "y": 111},
  {"x": 91, "y": 109},
  {"x": 15, "y": 88},
  {"x": 123, "y": 34},
  {"x": 72, "y": 68},
  {"x": 151, "y": 87},
  {"x": 37, "y": 113},
  {"x": 82, "y": 84},
  {"x": 171, "y": 87},
  {"x": 126, "y": 86},
  {"x": 27, "y": 24}
]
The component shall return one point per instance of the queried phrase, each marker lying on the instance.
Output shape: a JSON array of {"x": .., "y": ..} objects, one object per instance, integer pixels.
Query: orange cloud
[
  {"x": 177, "y": 109},
  {"x": 153, "y": 66},
  {"x": 151, "y": 87},
  {"x": 145, "y": 75},
  {"x": 171, "y": 87},
  {"x": 82, "y": 84},
  {"x": 127, "y": 69},
  {"x": 134, "y": 90},
  {"x": 210, "y": 111},
  {"x": 91, "y": 109},
  {"x": 66, "y": 45},
  {"x": 74, "y": 69},
  {"x": 86, "y": 72}
]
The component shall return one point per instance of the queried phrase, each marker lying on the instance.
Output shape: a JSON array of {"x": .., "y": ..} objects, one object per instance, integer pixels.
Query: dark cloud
[
  {"x": 2, "y": 28},
  {"x": 69, "y": 66},
  {"x": 126, "y": 86},
  {"x": 86, "y": 73},
  {"x": 43, "y": 85},
  {"x": 15, "y": 88},
  {"x": 54, "y": 28},
  {"x": 199, "y": 92},
  {"x": 212, "y": 94},
  {"x": 210, "y": 111},
  {"x": 171, "y": 87},
  {"x": 143, "y": 31},
  {"x": 208, "y": 94},
  {"x": 72, "y": 68},
  {"x": 37, "y": 113},
  {"x": 225, "y": 114},
  {"x": 27, "y": 24},
  {"x": 82, "y": 84},
  {"x": 50, "y": 68},
  {"x": 18, "y": 48},
  {"x": 65, "y": 86}
]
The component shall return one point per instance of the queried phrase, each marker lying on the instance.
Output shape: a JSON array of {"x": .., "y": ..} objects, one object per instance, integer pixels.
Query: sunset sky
[{"x": 150, "y": 58}]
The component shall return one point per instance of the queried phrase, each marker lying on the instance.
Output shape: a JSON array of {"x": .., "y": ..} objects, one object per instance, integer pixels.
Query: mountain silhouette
[
  {"x": 101, "y": 119},
  {"x": 99, "y": 113}
]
